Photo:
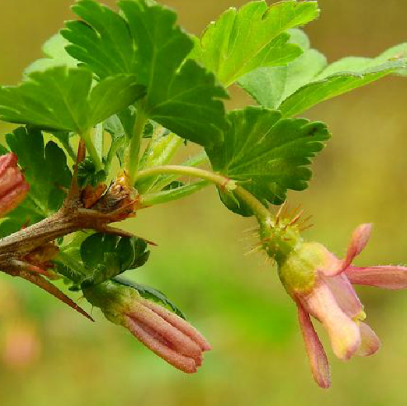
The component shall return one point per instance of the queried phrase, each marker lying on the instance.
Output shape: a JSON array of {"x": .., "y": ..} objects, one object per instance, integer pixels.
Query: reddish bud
[{"x": 13, "y": 187}]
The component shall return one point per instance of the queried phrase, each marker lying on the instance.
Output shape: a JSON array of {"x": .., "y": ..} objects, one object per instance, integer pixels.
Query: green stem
[
  {"x": 219, "y": 180},
  {"x": 131, "y": 160},
  {"x": 261, "y": 212},
  {"x": 90, "y": 147},
  {"x": 165, "y": 180},
  {"x": 166, "y": 196}
]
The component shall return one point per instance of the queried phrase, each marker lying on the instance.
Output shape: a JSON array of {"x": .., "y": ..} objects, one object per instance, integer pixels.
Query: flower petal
[
  {"x": 345, "y": 295},
  {"x": 155, "y": 343},
  {"x": 358, "y": 241},
  {"x": 385, "y": 277},
  {"x": 180, "y": 324},
  {"x": 370, "y": 342},
  {"x": 343, "y": 332},
  {"x": 315, "y": 351}
]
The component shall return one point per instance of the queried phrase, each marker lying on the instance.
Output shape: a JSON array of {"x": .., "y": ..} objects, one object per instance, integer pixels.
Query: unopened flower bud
[
  {"x": 13, "y": 187},
  {"x": 162, "y": 331}
]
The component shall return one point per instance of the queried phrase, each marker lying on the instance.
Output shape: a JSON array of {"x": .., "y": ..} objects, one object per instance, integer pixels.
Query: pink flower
[
  {"x": 165, "y": 333},
  {"x": 321, "y": 286},
  {"x": 13, "y": 187}
]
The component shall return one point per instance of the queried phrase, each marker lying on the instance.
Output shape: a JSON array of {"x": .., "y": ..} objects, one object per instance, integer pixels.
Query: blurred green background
[{"x": 51, "y": 356}]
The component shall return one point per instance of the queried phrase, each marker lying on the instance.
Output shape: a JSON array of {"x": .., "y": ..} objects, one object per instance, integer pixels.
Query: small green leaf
[
  {"x": 106, "y": 256},
  {"x": 267, "y": 154},
  {"x": 252, "y": 37},
  {"x": 62, "y": 99},
  {"x": 270, "y": 86},
  {"x": 150, "y": 293},
  {"x": 88, "y": 175},
  {"x": 45, "y": 169},
  {"x": 308, "y": 80},
  {"x": 102, "y": 40},
  {"x": 55, "y": 55},
  {"x": 182, "y": 97}
]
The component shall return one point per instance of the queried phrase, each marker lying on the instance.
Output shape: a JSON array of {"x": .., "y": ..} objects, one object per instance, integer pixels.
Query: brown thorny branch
[{"x": 27, "y": 253}]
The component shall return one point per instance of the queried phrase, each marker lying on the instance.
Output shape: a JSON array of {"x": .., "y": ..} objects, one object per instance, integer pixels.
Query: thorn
[
  {"x": 29, "y": 267},
  {"x": 254, "y": 250},
  {"x": 305, "y": 220},
  {"x": 280, "y": 210},
  {"x": 53, "y": 290},
  {"x": 249, "y": 230},
  {"x": 123, "y": 233},
  {"x": 296, "y": 218},
  {"x": 306, "y": 228}
]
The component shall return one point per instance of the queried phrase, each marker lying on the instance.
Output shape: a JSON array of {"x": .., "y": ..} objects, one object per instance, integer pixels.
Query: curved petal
[
  {"x": 345, "y": 295},
  {"x": 179, "y": 323},
  {"x": 315, "y": 351},
  {"x": 343, "y": 332},
  {"x": 385, "y": 277},
  {"x": 159, "y": 346},
  {"x": 358, "y": 241},
  {"x": 370, "y": 342}
]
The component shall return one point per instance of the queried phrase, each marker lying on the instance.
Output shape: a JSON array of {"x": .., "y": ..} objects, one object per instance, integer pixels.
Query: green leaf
[
  {"x": 252, "y": 37},
  {"x": 55, "y": 55},
  {"x": 62, "y": 99},
  {"x": 182, "y": 97},
  {"x": 270, "y": 86},
  {"x": 45, "y": 169},
  {"x": 267, "y": 154},
  {"x": 106, "y": 256},
  {"x": 88, "y": 175},
  {"x": 102, "y": 40},
  {"x": 308, "y": 80},
  {"x": 150, "y": 293}
]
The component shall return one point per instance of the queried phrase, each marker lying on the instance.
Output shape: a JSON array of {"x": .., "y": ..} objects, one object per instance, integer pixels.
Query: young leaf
[
  {"x": 62, "y": 98},
  {"x": 267, "y": 153},
  {"x": 103, "y": 42},
  {"x": 182, "y": 97},
  {"x": 308, "y": 81},
  {"x": 252, "y": 37},
  {"x": 46, "y": 171},
  {"x": 106, "y": 256},
  {"x": 270, "y": 86},
  {"x": 55, "y": 55}
]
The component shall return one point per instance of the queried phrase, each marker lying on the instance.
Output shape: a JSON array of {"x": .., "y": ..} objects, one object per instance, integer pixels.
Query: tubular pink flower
[
  {"x": 166, "y": 334},
  {"x": 321, "y": 285},
  {"x": 13, "y": 187}
]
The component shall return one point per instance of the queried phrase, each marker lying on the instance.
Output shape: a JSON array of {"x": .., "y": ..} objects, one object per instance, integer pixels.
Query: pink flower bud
[
  {"x": 166, "y": 334},
  {"x": 13, "y": 187}
]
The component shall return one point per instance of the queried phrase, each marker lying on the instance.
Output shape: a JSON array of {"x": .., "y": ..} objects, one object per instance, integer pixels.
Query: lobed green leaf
[
  {"x": 46, "y": 171},
  {"x": 268, "y": 154},
  {"x": 308, "y": 80},
  {"x": 62, "y": 99},
  {"x": 148, "y": 43},
  {"x": 252, "y": 37},
  {"x": 106, "y": 256}
]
